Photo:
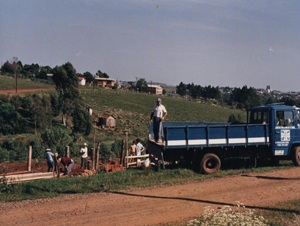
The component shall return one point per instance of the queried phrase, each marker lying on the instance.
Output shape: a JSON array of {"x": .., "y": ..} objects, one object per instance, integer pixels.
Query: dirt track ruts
[{"x": 156, "y": 205}]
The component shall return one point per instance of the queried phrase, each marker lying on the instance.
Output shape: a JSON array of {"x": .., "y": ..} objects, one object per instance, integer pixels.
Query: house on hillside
[
  {"x": 107, "y": 121},
  {"x": 105, "y": 82},
  {"x": 81, "y": 81},
  {"x": 155, "y": 89},
  {"x": 49, "y": 77}
]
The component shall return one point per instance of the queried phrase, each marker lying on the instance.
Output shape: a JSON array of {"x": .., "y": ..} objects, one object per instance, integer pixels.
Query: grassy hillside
[
  {"x": 139, "y": 103},
  {"x": 132, "y": 110},
  {"x": 7, "y": 82}
]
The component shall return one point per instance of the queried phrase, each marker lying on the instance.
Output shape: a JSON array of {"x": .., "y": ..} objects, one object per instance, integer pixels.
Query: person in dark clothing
[{"x": 67, "y": 162}]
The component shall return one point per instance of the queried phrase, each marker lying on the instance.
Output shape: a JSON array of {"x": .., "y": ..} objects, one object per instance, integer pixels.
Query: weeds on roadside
[{"x": 237, "y": 215}]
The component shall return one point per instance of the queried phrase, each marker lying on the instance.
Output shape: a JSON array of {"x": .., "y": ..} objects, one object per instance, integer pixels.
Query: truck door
[
  {"x": 284, "y": 132},
  {"x": 297, "y": 132}
]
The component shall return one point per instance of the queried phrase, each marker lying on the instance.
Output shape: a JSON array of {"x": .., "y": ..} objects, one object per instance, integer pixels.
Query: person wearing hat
[
  {"x": 84, "y": 156},
  {"x": 48, "y": 156},
  {"x": 158, "y": 114}
]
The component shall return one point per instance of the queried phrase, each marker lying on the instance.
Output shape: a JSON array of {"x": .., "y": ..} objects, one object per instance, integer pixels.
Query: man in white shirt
[
  {"x": 84, "y": 155},
  {"x": 158, "y": 114},
  {"x": 139, "y": 147}
]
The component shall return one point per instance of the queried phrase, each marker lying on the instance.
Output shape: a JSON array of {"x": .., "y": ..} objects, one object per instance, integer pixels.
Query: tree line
[
  {"x": 16, "y": 67},
  {"x": 242, "y": 98}
]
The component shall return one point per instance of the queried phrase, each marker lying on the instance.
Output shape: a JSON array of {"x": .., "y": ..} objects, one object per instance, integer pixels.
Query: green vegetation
[
  {"x": 132, "y": 110},
  {"x": 8, "y": 82}
]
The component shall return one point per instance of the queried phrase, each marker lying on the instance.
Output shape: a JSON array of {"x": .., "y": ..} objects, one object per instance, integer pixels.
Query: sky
[{"x": 206, "y": 42}]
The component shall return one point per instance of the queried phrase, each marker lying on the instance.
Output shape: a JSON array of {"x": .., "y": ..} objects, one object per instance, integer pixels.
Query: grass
[
  {"x": 179, "y": 109},
  {"x": 8, "y": 82},
  {"x": 132, "y": 110},
  {"x": 107, "y": 182}
]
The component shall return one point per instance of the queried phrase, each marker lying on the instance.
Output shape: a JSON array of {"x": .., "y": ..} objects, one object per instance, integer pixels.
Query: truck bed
[{"x": 199, "y": 135}]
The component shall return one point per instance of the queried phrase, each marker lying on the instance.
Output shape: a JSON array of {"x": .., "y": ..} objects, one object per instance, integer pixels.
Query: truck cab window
[
  {"x": 259, "y": 117},
  {"x": 284, "y": 118}
]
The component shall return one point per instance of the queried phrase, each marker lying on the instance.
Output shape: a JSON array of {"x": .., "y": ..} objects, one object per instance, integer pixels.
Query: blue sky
[{"x": 207, "y": 42}]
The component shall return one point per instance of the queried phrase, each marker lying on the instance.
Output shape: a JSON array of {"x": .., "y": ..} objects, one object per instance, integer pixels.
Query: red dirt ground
[
  {"x": 156, "y": 205},
  {"x": 18, "y": 167}
]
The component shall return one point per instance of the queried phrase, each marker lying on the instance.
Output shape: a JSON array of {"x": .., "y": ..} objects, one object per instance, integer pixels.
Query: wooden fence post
[
  {"x": 93, "y": 158},
  {"x": 29, "y": 158},
  {"x": 98, "y": 155},
  {"x": 67, "y": 151},
  {"x": 122, "y": 153}
]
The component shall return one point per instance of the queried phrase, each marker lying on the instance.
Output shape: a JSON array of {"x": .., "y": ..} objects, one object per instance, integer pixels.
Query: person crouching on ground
[
  {"x": 48, "y": 156},
  {"x": 84, "y": 156},
  {"x": 67, "y": 162}
]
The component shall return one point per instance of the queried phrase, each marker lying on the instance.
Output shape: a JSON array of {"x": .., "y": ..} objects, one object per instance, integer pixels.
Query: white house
[
  {"x": 81, "y": 81},
  {"x": 155, "y": 89}
]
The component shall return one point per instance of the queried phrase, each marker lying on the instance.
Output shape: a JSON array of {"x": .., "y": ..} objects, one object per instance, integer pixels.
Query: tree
[
  {"x": 31, "y": 70},
  {"x": 102, "y": 75},
  {"x": 181, "y": 89},
  {"x": 66, "y": 81},
  {"x": 56, "y": 139},
  {"x": 88, "y": 76},
  {"x": 10, "y": 121},
  {"x": 82, "y": 122},
  {"x": 40, "y": 109},
  {"x": 246, "y": 98},
  {"x": 141, "y": 85},
  {"x": 42, "y": 74}
]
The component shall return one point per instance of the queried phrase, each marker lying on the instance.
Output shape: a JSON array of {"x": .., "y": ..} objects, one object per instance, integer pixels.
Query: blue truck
[{"x": 271, "y": 131}]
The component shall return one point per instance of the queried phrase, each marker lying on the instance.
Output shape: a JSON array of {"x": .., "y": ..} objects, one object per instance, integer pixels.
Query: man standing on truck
[{"x": 158, "y": 114}]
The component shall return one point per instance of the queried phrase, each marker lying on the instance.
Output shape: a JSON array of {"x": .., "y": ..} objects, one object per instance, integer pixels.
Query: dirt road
[{"x": 156, "y": 205}]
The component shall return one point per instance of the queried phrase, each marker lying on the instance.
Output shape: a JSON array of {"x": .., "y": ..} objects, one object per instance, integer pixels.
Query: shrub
[
  {"x": 238, "y": 215},
  {"x": 117, "y": 147},
  {"x": 106, "y": 153},
  {"x": 4, "y": 155},
  {"x": 37, "y": 149},
  {"x": 21, "y": 153}
]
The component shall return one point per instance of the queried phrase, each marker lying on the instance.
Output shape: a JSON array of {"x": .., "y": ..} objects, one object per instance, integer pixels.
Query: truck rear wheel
[
  {"x": 296, "y": 156},
  {"x": 210, "y": 163}
]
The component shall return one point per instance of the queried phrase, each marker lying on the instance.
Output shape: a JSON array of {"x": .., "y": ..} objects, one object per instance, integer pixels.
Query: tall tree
[
  {"x": 66, "y": 81},
  {"x": 181, "y": 89},
  {"x": 88, "y": 76},
  {"x": 82, "y": 122},
  {"x": 141, "y": 85},
  {"x": 101, "y": 74}
]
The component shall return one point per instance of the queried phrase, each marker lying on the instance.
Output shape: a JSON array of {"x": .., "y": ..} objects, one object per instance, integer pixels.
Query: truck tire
[
  {"x": 296, "y": 156},
  {"x": 210, "y": 163}
]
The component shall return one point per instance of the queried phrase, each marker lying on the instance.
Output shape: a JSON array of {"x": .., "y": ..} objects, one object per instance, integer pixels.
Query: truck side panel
[{"x": 215, "y": 135}]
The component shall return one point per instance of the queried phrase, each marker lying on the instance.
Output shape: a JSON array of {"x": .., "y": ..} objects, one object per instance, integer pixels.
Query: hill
[
  {"x": 8, "y": 82},
  {"x": 132, "y": 110}
]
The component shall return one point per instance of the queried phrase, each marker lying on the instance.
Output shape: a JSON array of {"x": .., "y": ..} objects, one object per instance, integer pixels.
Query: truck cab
[{"x": 284, "y": 129}]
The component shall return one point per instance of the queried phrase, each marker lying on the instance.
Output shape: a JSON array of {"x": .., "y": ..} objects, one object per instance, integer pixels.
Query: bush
[
  {"x": 117, "y": 147},
  {"x": 4, "y": 155},
  {"x": 106, "y": 153},
  {"x": 38, "y": 150},
  {"x": 21, "y": 153}
]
